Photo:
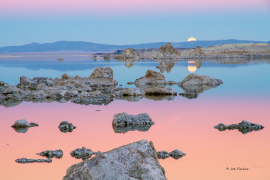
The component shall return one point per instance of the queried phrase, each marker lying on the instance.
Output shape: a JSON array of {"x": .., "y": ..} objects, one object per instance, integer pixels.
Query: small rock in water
[
  {"x": 120, "y": 85},
  {"x": 66, "y": 127},
  {"x": 82, "y": 153},
  {"x": 163, "y": 154},
  {"x": 244, "y": 127},
  {"x": 51, "y": 154},
  {"x": 25, "y": 160},
  {"x": 129, "y": 83},
  {"x": 98, "y": 110},
  {"x": 124, "y": 119},
  {"x": 176, "y": 154}
]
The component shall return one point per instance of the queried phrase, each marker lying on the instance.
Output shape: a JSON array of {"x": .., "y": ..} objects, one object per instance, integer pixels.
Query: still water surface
[{"x": 184, "y": 124}]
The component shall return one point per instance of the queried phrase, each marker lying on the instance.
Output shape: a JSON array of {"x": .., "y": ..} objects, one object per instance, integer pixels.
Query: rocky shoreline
[
  {"x": 168, "y": 52},
  {"x": 99, "y": 88}
]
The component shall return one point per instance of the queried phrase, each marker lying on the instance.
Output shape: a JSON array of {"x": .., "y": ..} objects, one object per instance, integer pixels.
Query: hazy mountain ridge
[{"x": 89, "y": 46}]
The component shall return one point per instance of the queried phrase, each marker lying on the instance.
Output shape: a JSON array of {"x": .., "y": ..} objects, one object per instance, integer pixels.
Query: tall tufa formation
[
  {"x": 168, "y": 52},
  {"x": 127, "y": 54},
  {"x": 197, "y": 52}
]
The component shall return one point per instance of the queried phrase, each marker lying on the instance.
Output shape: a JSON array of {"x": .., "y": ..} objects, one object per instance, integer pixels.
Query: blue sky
[{"x": 132, "y": 29}]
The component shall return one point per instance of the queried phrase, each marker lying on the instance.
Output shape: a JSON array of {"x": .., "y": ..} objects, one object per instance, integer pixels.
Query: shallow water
[{"x": 184, "y": 124}]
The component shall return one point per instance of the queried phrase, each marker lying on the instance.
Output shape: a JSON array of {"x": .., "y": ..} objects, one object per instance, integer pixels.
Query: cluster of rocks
[
  {"x": 244, "y": 127},
  {"x": 25, "y": 160},
  {"x": 66, "y": 127},
  {"x": 83, "y": 153},
  {"x": 22, "y": 126},
  {"x": 100, "y": 88},
  {"x": 51, "y": 154},
  {"x": 176, "y": 154},
  {"x": 124, "y": 122}
]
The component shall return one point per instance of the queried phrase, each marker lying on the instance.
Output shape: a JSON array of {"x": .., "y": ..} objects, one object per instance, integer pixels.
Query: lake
[{"x": 180, "y": 123}]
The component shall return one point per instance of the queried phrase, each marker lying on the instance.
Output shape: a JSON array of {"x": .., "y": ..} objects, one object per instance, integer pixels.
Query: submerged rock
[
  {"x": 124, "y": 119},
  {"x": 22, "y": 126},
  {"x": 244, "y": 127},
  {"x": 160, "y": 91},
  {"x": 190, "y": 94},
  {"x": 21, "y": 123},
  {"x": 66, "y": 127},
  {"x": 51, "y": 154},
  {"x": 137, "y": 160},
  {"x": 24, "y": 160},
  {"x": 83, "y": 153}
]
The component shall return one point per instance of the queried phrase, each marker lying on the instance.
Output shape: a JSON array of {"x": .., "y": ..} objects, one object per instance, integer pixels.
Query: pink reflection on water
[{"x": 182, "y": 124}]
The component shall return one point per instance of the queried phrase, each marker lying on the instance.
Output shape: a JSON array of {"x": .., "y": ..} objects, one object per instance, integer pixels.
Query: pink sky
[{"x": 123, "y": 7}]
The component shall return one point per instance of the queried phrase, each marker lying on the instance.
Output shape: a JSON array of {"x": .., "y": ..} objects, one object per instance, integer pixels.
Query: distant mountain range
[{"x": 89, "y": 46}]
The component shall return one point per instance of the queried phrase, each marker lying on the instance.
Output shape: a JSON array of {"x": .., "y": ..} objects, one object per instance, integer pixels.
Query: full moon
[{"x": 191, "y": 39}]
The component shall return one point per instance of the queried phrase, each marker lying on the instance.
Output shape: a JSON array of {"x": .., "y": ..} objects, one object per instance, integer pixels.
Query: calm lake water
[{"x": 184, "y": 124}]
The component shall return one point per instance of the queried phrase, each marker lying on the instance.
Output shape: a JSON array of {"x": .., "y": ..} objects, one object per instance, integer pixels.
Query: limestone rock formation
[
  {"x": 102, "y": 77},
  {"x": 25, "y": 160},
  {"x": 152, "y": 78},
  {"x": 96, "y": 98},
  {"x": 83, "y": 153},
  {"x": 244, "y": 127},
  {"x": 107, "y": 57},
  {"x": 167, "y": 52},
  {"x": 160, "y": 91},
  {"x": 127, "y": 54},
  {"x": 197, "y": 52},
  {"x": 124, "y": 119},
  {"x": 194, "y": 79},
  {"x": 42, "y": 89},
  {"x": 51, "y": 154},
  {"x": 137, "y": 160},
  {"x": 66, "y": 127}
]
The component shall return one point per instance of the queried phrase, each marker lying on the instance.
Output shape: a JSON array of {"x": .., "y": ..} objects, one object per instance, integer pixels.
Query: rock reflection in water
[
  {"x": 22, "y": 126},
  {"x": 160, "y": 98},
  {"x": 125, "y": 129},
  {"x": 244, "y": 127}
]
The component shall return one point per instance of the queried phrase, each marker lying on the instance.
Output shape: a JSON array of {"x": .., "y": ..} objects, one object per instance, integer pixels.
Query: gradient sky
[{"x": 132, "y": 22}]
